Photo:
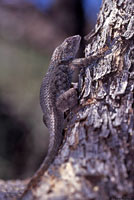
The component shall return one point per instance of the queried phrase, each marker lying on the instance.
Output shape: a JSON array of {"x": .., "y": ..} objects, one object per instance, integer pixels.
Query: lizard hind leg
[{"x": 67, "y": 100}]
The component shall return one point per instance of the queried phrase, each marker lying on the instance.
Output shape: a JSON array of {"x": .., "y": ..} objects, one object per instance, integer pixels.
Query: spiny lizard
[{"x": 56, "y": 96}]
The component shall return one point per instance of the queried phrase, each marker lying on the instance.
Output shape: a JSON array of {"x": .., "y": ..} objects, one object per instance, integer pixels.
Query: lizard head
[
  {"x": 67, "y": 50},
  {"x": 70, "y": 47}
]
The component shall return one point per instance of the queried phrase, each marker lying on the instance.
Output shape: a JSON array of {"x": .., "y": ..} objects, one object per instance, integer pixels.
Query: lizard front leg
[{"x": 67, "y": 100}]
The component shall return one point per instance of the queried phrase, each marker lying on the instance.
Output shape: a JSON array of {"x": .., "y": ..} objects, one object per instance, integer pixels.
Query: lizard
[{"x": 56, "y": 88}]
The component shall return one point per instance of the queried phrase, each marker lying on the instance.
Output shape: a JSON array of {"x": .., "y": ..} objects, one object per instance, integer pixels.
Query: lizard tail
[{"x": 54, "y": 144}]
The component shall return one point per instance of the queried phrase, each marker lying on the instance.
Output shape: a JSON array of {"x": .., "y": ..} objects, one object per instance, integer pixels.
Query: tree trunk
[{"x": 97, "y": 155}]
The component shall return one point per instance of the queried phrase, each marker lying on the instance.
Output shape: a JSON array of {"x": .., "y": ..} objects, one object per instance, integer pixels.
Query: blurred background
[{"x": 29, "y": 32}]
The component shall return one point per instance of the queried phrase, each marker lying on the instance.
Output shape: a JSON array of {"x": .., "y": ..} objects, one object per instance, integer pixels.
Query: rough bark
[{"x": 97, "y": 155}]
